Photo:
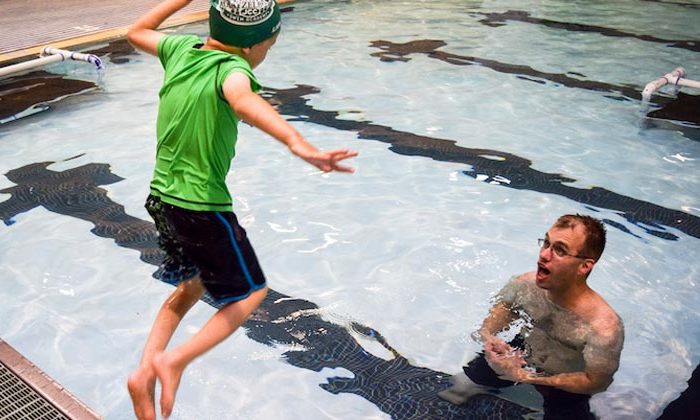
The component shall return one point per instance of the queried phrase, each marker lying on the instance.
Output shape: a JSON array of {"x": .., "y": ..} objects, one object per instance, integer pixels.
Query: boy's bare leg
[
  {"x": 141, "y": 382},
  {"x": 170, "y": 365}
]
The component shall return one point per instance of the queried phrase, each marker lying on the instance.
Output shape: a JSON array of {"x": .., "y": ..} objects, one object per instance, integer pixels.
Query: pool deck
[{"x": 27, "y": 26}]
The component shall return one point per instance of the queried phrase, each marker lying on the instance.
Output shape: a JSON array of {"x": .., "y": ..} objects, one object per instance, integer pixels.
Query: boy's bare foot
[
  {"x": 141, "y": 386},
  {"x": 169, "y": 374}
]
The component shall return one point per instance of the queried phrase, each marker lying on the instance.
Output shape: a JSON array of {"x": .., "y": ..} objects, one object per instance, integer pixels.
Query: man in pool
[
  {"x": 570, "y": 339},
  {"x": 208, "y": 86}
]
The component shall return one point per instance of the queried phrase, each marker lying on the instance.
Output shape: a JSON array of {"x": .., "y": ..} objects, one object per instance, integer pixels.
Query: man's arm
[
  {"x": 253, "y": 109},
  {"x": 143, "y": 35},
  {"x": 601, "y": 355},
  {"x": 511, "y": 367},
  {"x": 577, "y": 382},
  {"x": 499, "y": 317}
]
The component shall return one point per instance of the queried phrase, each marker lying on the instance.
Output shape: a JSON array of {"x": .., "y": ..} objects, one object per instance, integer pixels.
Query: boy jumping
[{"x": 208, "y": 87}]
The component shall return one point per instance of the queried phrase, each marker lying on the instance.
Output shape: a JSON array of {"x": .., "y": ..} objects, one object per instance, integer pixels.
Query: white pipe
[
  {"x": 689, "y": 83},
  {"x": 661, "y": 81},
  {"x": 50, "y": 55},
  {"x": 674, "y": 78},
  {"x": 90, "y": 58},
  {"x": 26, "y": 65}
]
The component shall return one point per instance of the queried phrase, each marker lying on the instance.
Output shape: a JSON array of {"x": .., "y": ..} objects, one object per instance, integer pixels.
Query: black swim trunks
[{"x": 208, "y": 243}]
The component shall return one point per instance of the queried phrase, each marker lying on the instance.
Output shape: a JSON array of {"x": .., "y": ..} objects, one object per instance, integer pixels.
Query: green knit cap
[{"x": 243, "y": 23}]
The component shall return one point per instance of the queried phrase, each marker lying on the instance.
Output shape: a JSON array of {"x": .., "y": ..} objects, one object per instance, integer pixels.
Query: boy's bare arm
[
  {"x": 143, "y": 35},
  {"x": 253, "y": 109}
]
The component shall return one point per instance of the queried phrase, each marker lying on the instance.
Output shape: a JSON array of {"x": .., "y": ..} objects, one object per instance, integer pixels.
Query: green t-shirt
[{"x": 197, "y": 129}]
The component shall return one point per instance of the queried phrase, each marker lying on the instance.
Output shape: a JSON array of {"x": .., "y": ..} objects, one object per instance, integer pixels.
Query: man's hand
[
  {"x": 505, "y": 361},
  {"x": 496, "y": 345}
]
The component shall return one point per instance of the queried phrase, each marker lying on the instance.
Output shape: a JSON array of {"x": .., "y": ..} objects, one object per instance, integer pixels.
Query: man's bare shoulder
[
  {"x": 604, "y": 320},
  {"x": 528, "y": 277}
]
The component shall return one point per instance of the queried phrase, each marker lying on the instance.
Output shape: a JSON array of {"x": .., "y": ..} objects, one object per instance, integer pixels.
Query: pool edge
[
  {"x": 51, "y": 391},
  {"x": 92, "y": 38}
]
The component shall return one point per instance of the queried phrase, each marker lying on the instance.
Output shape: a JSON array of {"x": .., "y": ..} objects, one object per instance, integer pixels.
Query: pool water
[{"x": 478, "y": 123}]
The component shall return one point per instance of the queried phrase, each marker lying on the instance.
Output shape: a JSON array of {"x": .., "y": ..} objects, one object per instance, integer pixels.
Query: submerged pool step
[{"x": 27, "y": 393}]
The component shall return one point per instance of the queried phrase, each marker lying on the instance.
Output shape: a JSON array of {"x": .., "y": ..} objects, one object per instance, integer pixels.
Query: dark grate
[
  {"x": 18, "y": 401},
  {"x": 27, "y": 393}
]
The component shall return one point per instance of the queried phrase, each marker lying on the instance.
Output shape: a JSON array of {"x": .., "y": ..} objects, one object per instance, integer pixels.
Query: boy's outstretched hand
[
  {"x": 254, "y": 110},
  {"x": 327, "y": 161}
]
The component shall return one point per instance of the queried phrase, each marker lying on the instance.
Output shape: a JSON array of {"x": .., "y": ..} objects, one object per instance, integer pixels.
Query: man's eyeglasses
[{"x": 559, "y": 250}]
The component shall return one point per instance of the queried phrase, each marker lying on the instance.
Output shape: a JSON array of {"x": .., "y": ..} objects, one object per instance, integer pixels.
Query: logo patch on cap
[{"x": 246, "y": 12}]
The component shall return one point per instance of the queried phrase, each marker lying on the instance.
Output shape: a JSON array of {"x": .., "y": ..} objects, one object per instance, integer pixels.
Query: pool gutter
[{"x": 26, "y": 392}]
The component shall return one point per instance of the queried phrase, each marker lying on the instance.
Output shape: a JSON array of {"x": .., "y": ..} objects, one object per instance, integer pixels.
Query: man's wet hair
[{"x": 594, "y": 244}]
